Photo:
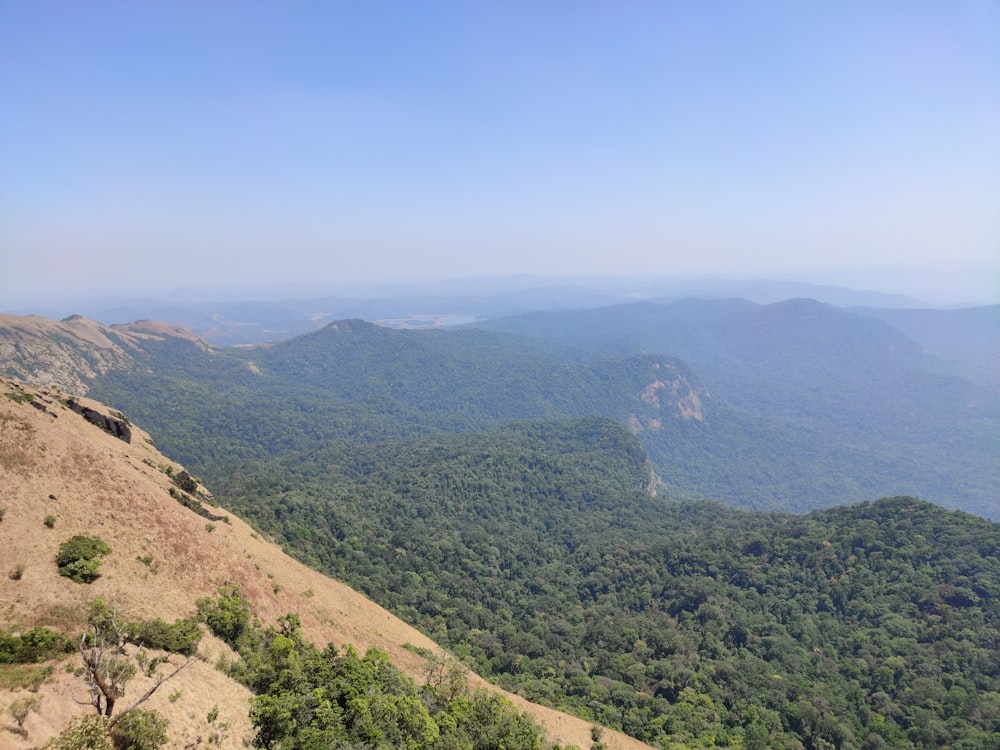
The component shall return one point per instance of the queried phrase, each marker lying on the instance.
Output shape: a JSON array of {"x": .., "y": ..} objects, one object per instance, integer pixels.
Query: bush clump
[
  {"x": 89, "y": 732},
  {"x": 182, "y": 637},
  {"x": 139, "y": 729},
  {"x": 228, "y": 615},
  {"x": 33, "y": 646},
  {"x": 80, "y": 556},
  {"x": 186, "y": 482}
]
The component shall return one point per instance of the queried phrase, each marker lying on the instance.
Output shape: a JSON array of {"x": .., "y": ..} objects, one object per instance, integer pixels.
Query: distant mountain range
[{"x": 229, "y": 319}]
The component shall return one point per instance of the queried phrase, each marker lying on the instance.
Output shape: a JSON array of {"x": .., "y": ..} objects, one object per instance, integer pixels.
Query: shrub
[
  {"x": 35, "y": 645},
  {"x": 228, "y": 616},
  {"x": 80, "y": 556},
  {"x": 180, "y": 638},
  {"x": 50, "y": 521},
  {"x": 17, "y": 573},
  {"x": 20, "y": 708},
  {"x": 89, "y": 732},
  {"x": 139, "y": 729},
  {"x": 186, "y": 482},
  {"x": 81, "y": 547},
  {"x": 24, "y": 676}
]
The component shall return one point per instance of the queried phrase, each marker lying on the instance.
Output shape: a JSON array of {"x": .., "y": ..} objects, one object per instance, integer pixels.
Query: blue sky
[{"x": 158, "y": 144}]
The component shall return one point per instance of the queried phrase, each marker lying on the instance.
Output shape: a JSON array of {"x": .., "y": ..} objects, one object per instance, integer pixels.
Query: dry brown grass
[{"x": 163, "y": 559}]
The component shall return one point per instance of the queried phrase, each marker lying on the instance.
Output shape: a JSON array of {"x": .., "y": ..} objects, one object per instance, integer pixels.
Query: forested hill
[
  {"x": 967, "y": 339},
  {"x": 815, "y": 401},
  {"x": 93, "y": 519},
  {"x": 537, "y": 554},
  {"x": 783, "y": 356},
  {"x": 359, "y": 383},
  {"x": 788, "y": 406}
]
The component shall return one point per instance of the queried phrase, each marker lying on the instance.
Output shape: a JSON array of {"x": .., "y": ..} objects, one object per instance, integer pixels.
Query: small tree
[
  {"x": 445, "y": 680},
  {"x": 108, "y": 668},
  {"x": 20, "y": 709}
]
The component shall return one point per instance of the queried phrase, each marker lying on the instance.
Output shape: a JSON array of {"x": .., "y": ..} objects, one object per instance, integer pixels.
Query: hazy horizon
[
  {"x": 169, "y": 146},
  {"x": 922, "y": 287}
]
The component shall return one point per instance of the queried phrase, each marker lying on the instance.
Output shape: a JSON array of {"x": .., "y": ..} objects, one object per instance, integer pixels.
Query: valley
[{"x": 695, "y": 522}]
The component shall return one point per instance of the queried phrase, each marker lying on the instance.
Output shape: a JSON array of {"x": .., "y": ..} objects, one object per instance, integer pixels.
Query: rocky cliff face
[{"x": 670, "y": 395}]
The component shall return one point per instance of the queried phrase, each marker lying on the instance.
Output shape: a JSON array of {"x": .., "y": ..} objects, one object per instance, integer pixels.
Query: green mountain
[
  {"x": 359, "y": 382},
  {"x": 789, "y": 406},
  {"x": 812, "y": 404},
  {"x": 966, "y": 340}
]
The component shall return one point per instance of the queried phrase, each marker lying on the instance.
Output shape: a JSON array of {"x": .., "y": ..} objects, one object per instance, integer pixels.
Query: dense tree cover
[
  {"x": 968, "y": 339},
  {"x": 312, "y": 698},
  {"x": 835, "y": 401},
  {"x": 361, "y": 383},
  {"x": 396, "y": 460},
  {"x": 535, "y": 554},
  {"x": 805, "y": 405}
]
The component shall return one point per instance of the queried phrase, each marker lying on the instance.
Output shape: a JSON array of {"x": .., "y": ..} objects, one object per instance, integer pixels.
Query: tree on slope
[{"x": 109, "y": 666}]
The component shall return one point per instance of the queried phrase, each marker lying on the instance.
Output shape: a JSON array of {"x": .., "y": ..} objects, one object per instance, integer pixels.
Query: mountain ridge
[
  {"x": 259, "y": 315},
  {"x": 785, "y": 406}
]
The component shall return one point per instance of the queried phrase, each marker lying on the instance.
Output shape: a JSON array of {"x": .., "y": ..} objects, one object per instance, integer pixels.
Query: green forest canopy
[{"x": 535, "y": 554}]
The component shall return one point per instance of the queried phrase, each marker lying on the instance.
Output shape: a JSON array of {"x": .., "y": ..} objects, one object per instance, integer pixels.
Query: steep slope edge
[{"x": 55, "y": 463}]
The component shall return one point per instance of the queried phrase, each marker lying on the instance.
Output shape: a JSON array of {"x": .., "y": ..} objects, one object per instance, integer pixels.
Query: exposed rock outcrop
[
  {"x": 117, "y": 427},
  {"x": 671, "y": 394}
]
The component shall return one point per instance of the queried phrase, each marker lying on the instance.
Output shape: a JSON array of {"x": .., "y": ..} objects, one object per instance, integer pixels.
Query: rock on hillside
[{"x": 54, "y": 461}]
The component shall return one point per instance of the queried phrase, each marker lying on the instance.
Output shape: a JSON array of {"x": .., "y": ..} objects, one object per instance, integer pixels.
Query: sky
[{"x": 189, "y": 144}]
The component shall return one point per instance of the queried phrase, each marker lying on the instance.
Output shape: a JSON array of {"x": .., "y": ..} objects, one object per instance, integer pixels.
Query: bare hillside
[{"x": 55, "y": 461}]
